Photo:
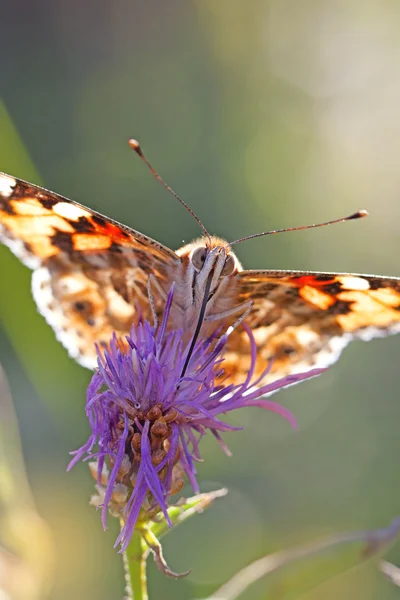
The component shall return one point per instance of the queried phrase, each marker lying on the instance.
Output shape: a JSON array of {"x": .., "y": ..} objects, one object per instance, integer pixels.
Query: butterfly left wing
[
  {"x": 90, "y": 273},
  {"x": 304, "y": 320}
]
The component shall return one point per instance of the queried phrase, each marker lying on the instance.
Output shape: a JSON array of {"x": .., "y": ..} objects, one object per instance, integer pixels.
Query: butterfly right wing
[
  {"x": 303, "y": 320},
  {"x": 90, "y": 273}
]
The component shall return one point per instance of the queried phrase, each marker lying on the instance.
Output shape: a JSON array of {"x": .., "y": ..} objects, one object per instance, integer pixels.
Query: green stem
[{"x": 135, "y": 567}]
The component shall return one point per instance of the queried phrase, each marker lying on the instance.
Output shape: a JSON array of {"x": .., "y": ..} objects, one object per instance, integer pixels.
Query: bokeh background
[{"x": 261, "y": 114}]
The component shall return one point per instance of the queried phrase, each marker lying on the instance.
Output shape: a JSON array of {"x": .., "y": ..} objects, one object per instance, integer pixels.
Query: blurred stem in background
[{"x": 289, "y": 574}]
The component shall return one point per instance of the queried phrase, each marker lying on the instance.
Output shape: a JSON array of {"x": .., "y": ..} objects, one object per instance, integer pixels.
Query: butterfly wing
[
  {"x": 90, "y": 273},
  {"x": 304, "y": 320}
]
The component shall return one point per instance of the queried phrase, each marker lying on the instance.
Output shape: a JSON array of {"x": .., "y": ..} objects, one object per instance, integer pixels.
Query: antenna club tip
[
  {"x": 359, "y": 214},
  {"x": 134, "y": 144}
]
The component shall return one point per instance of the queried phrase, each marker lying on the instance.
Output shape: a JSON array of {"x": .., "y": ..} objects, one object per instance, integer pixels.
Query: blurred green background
[{"x": 261, "y": 115}]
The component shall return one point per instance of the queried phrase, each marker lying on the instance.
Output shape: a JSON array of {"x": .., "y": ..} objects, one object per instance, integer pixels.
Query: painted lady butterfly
[{"x": 93, "y": 276}]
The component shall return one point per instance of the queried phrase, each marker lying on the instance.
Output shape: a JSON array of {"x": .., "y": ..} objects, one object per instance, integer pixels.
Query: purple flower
[{"x": 147, "y": 420}]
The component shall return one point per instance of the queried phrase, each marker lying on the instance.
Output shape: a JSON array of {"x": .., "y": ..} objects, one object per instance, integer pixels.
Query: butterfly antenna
[
  {"x": 134, "y": 144},
  {"x": 357, "y": 215}
]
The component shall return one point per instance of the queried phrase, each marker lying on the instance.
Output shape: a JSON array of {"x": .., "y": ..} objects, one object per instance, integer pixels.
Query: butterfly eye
[
  {"x": 198, "y": 258},
  {"x": 228, "y": 267}
]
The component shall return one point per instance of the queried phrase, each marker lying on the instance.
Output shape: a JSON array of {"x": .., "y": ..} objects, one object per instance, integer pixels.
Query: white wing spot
[
  {"x": 72, "y": 284},
  {"x": 354, "y": 283},
  {"x": 70, "y": 211},
  {"x": 7, "y": 185}
]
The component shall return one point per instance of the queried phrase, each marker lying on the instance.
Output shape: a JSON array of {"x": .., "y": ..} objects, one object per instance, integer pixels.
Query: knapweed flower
[{"x": 147, "y": 419}]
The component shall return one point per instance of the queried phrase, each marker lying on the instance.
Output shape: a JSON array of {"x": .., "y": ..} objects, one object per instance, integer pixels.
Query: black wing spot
[
  {"x": 333, "y": 288},
  {"x": 98, "y": 220},
  {"x": 323, "y": 277},
  {"x": 63, "y": 241},
  {"x": 115, "y": 248},
  {"x": 83, "y": 225},
  {"x": 341, "y": 307},
  {"x": 6, "y": 206},
  {"x": 82, "y": 306},
  {"x": 287, "y": 350},
  {"x": 292, "y": 291},
  {"x": 47, "y": 202},
  {"x": 378, "y": 283}
]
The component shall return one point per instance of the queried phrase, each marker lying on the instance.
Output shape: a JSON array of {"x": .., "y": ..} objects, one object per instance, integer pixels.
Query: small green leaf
[
  {"x": 156, "y": 549},
  {"x": 185, "y": 509}
]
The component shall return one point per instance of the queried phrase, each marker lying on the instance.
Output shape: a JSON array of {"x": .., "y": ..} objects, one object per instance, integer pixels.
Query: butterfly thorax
[{"x": 203, "y": 261}]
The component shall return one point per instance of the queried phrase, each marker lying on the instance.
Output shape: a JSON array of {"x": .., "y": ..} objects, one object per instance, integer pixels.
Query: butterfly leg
[
  {"x": 150, "y": 281},
  {"x": 243, "y": 309}
]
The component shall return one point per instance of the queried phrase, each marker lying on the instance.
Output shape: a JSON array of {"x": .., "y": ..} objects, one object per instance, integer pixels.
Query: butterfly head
[{"x": 209, "y": 258}]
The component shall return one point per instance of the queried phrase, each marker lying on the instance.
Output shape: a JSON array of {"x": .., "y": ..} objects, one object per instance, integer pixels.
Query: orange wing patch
[
  {"x": 316, "y": 297},
  {"x": 89, "y": 241}
]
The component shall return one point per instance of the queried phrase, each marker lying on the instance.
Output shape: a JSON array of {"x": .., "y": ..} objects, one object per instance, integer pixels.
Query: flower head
[{"x": 147, "y": 419}]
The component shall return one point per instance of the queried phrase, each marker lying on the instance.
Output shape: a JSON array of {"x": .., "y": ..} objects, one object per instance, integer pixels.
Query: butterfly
[{"x": 93, "y": 276}]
